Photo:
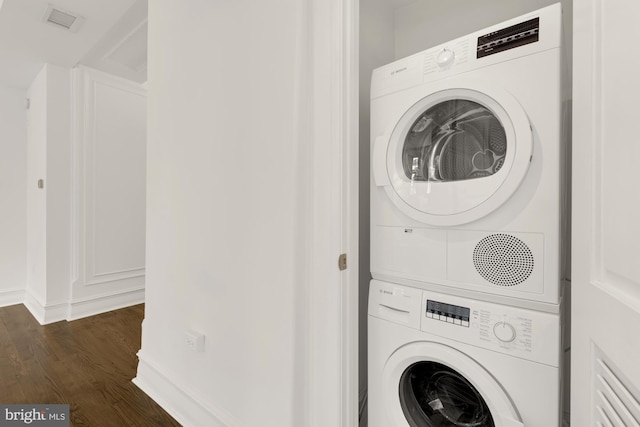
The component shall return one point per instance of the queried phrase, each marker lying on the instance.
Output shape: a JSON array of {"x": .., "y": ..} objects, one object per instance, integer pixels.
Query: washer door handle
[
  {"x": 379, "y": 161},
  {"x": 395, "y": 309}
]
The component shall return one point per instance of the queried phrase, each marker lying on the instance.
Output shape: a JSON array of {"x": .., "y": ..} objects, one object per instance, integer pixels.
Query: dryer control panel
[
  {"x": 508, "y": 38},
  {"x": 533, "y": 33}
]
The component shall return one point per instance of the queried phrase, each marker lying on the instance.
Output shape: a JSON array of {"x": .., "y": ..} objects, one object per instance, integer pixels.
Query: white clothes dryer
[
  {"x": 467, "y": 164},
  {"x": 437, "y": 360}
]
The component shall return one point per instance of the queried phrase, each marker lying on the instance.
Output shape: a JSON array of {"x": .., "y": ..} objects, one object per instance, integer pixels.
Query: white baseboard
[
  {"x": 45, "y": 314},
  {"x": 11, "y": 297},
  {"x": 50, "y": 313},
  {"x": 183, "y": 405},
  {"x": 78, "y": 309}
]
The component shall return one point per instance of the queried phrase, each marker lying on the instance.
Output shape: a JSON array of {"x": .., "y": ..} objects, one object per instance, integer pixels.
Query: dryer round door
[
  {"x": 456, "y": 155},
  {"x": 428, "y": 384}
]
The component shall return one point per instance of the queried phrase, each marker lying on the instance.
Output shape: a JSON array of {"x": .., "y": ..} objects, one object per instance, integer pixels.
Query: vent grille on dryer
[{"x": 503, "y": 260}]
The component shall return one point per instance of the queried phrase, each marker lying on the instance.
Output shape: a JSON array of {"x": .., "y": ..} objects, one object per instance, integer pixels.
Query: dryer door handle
[{"x": 379, "y": 161}]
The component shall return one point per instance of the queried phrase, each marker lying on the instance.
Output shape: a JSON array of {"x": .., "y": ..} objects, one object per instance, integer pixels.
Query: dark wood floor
[{"x": 87, "y": 363}]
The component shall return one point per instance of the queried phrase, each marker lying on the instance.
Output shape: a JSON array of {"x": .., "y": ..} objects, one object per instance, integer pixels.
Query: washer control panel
[
  {"x": 448, "y": 313},
  {"x": 506, "y": 331},
  {"x": 520, "y": 332},
  {"x": 494, "y": 328},
  {"x": 527, "y": 334}
]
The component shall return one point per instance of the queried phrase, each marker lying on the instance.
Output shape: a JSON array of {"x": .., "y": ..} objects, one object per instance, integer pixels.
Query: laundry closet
[{"x": 395, "y": 29}]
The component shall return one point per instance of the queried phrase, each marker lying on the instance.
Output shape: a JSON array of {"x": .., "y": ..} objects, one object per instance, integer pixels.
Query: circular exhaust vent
[{"x": 503, "y": 260}]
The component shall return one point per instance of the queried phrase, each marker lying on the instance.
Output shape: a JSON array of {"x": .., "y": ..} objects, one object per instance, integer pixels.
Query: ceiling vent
[{"x": 62, "y": 18}]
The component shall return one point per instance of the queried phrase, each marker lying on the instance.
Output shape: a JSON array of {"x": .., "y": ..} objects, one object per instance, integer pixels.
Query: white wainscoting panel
[
  {"x": 115, "y": 182},
  {"x": 109, "y": 193}
]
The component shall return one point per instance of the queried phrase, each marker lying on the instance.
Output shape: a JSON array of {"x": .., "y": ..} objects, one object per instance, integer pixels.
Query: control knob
[
  {"x": 504, "y": 331},
  {"x": 445, "y": 58}
]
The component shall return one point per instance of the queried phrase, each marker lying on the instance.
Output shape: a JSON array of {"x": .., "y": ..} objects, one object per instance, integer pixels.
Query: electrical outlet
[{"x": 194, "y": 340}]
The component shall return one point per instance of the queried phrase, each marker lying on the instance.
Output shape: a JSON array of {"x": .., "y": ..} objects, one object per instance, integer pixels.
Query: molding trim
[
  {"x": 80, "y": 308},
  {"x": 184, "y": 405},
  {"x": 100, "y": 278},
  {"x": 331, "y": 389},
  {"x": 112, "y": 79},
  {"x": 126, "y": 39},
  {"x": 85, "y": 82},
  {"x": 12, "y": 297},
  {"x": 47, "y": 313},
  {"x": 93, "y": 80},
  {"x": 74, "y": 310},
  {"x": 350, "y": 158},
  {"x": 139, "y": 270}
]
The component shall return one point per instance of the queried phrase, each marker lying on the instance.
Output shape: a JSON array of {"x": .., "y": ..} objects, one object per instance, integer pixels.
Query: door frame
[{"x": 329, "y": 161}]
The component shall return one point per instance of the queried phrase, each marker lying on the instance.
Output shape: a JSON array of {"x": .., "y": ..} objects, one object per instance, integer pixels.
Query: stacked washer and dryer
[{"x": 466, "y": 227}]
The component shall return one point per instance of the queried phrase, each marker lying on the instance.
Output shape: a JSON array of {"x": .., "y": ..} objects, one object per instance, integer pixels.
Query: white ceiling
[{"x": 112, "y": 37}]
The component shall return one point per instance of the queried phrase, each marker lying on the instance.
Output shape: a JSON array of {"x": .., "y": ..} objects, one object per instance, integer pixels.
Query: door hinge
[
  {"x": 27, "y": 103},
  {"x": 342, "y": 262}
]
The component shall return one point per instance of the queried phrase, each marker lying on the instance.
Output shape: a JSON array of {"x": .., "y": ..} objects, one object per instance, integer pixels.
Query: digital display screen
[
  {"x": 449, "y": 310},
  {"x": 509, "y": 38}
]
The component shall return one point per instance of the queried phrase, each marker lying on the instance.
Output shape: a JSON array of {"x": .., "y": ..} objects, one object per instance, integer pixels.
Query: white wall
[
  {"x": 36, "y": 197},
  {"x": 48, "y": 208},
  {"x": 58, "y": 184},
  {"x": 423, "y": 24},
  {"x": 221, "y": 211},
  {"x": 13, "y": 190},
  {"x": 85, "y": 228}
]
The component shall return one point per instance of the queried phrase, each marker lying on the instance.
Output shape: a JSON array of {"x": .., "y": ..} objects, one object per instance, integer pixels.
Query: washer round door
[
  {"x": 428, "y": 384},
  {"x": 456, "y": 155}
]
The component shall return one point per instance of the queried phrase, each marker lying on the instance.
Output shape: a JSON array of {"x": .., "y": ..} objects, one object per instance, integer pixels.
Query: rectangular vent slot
[
  {"x": 61, "y": 18},
  {"x": 615, "y": 403}
]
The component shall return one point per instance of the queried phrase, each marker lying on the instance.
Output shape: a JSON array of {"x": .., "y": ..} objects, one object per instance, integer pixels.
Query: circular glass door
[
  {"x": 429, "y": 384},
  {"x": 454, "y": 140},
  {"x": 457, "y": 155},
  {"x": 434, "y": 395}
]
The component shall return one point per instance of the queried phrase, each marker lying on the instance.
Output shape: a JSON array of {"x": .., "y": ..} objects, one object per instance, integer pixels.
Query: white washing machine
[
  {"x": 467, "y": 165},
  {"x": 438, "y": 360}
]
